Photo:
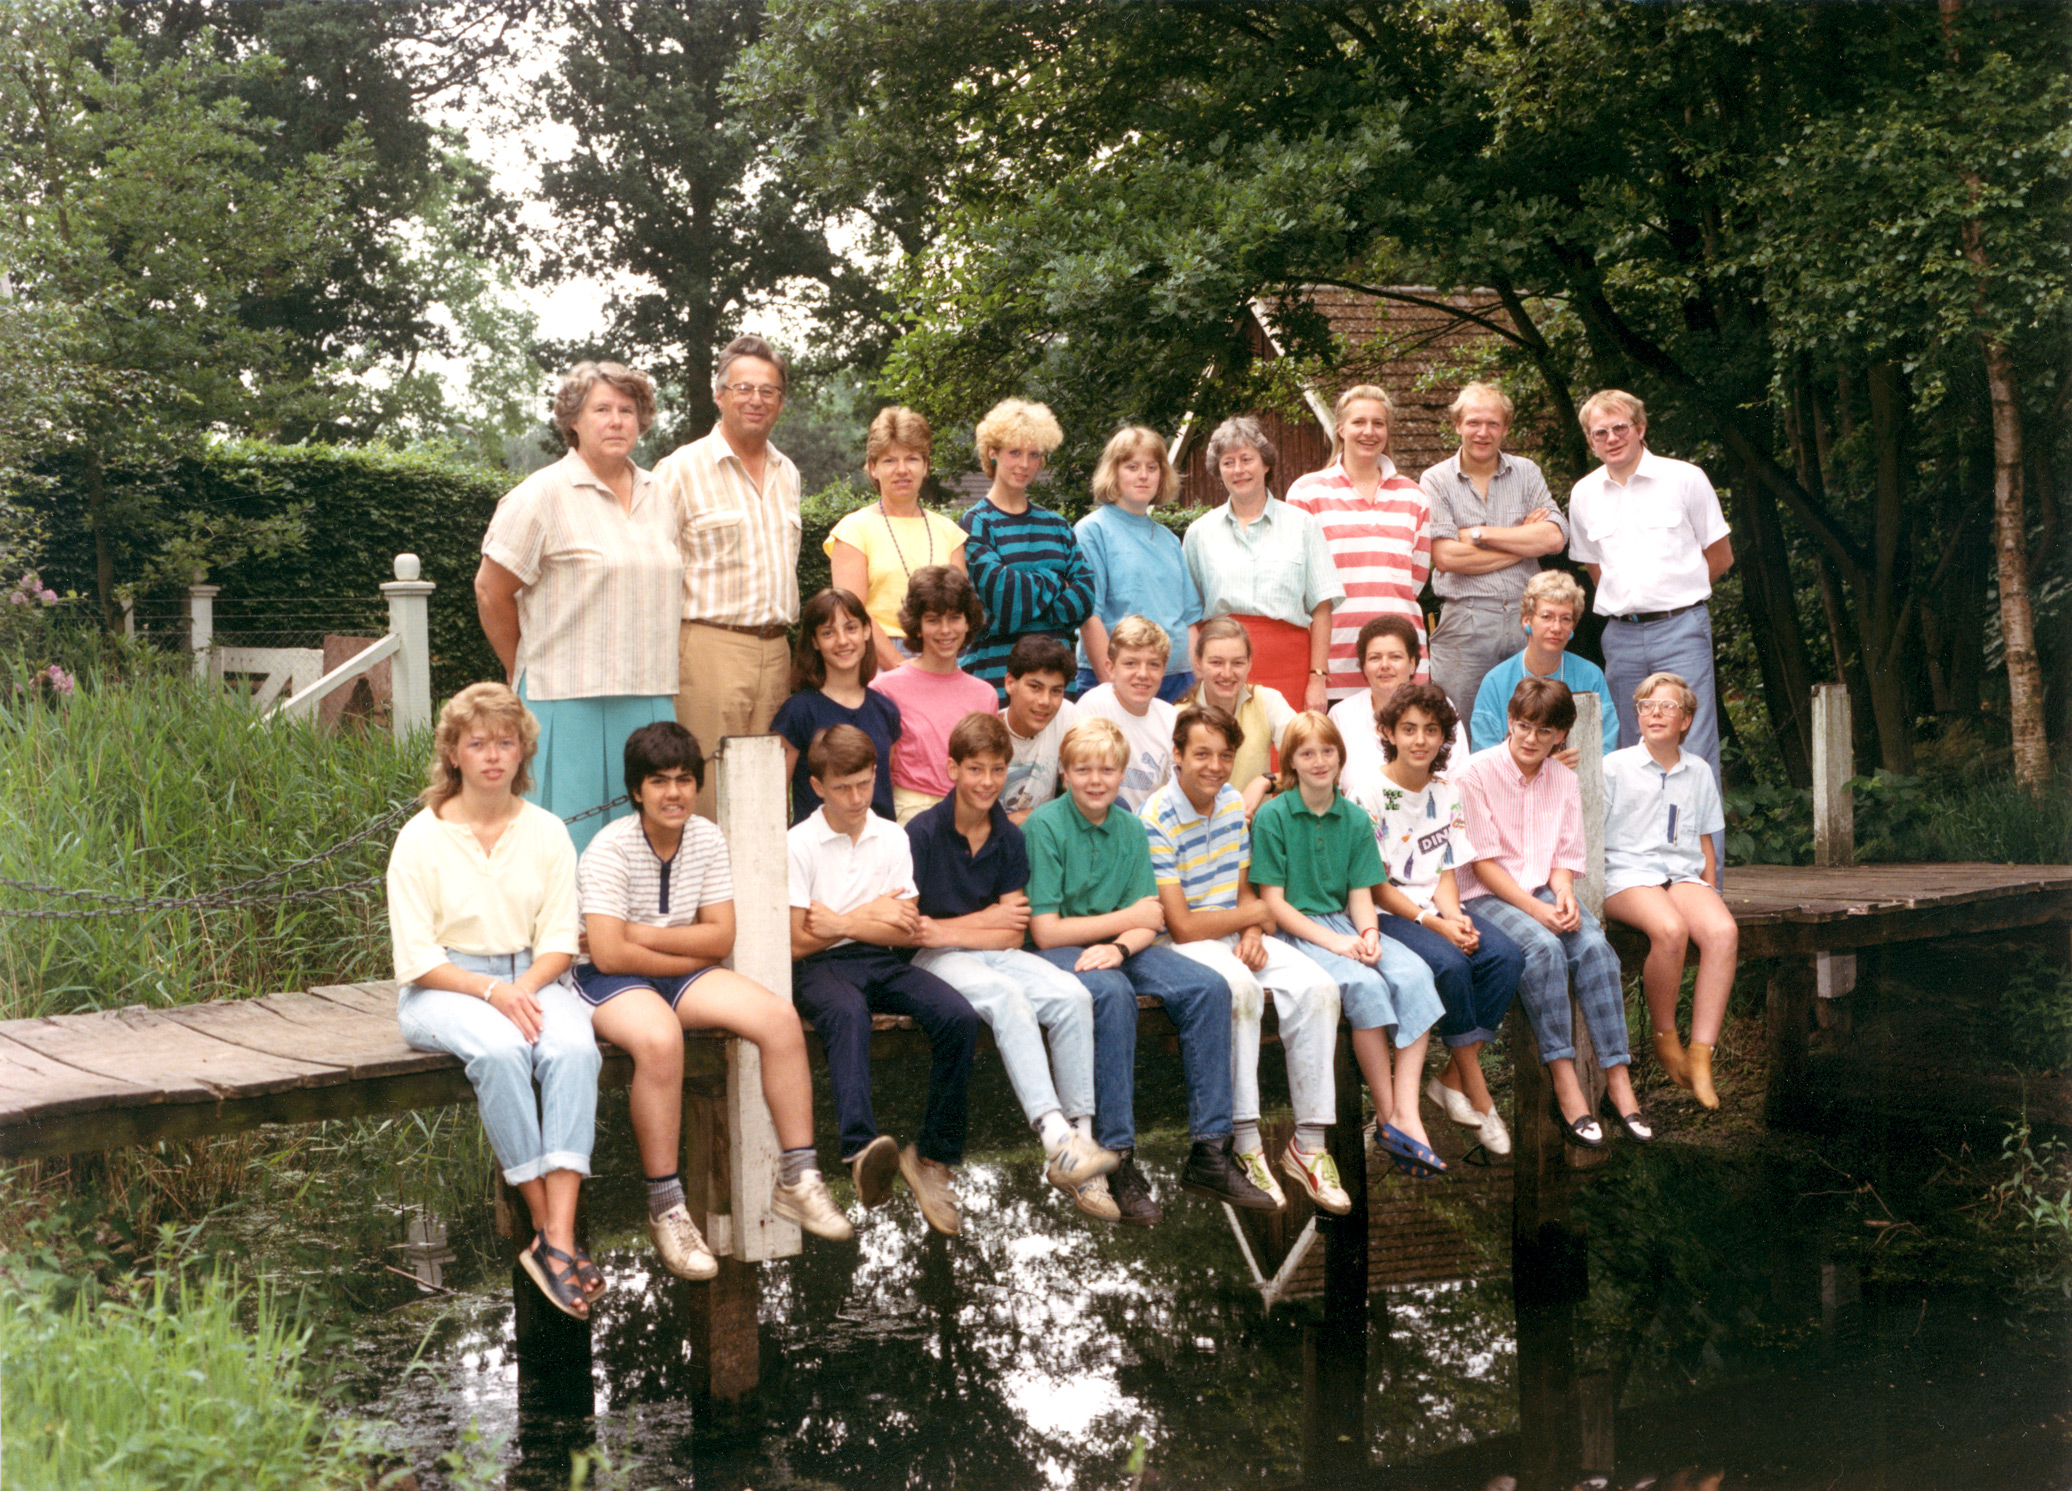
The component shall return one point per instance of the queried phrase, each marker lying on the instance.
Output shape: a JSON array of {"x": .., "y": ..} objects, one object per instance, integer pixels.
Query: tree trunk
[
  {"x": 2011, "y": 552},
  {"x": 1882, "y": 622},
  {"x": 1773, "y": 624},
  {"x": 104, "y": 547}
]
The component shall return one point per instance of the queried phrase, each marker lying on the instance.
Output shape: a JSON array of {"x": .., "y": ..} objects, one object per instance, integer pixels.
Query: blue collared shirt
[{"x": 954, "y": 881}]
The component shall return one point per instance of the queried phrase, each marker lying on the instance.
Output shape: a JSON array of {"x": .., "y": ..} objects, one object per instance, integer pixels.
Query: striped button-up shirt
[
  {"x": 1516, "y": 489},
  {"x": 1205, "y": 854},
  {"x": 598, "y": 583},
  {"x": 1276, "y": 566},
  {"x": 1530, "y": 826},
  {"x": 1383, "y": 550},
  {"x": 740, "y": 546}
]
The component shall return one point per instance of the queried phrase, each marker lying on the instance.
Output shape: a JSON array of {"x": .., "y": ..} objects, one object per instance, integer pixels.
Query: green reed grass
[
  {"x": 154, "y": 785},
  {"x": 176, "y": 1387}
]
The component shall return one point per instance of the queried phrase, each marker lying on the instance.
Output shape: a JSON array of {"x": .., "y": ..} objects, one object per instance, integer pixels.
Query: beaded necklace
[{"x": 893, "y": 534}]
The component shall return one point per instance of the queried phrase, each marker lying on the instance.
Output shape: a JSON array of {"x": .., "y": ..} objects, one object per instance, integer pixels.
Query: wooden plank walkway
[{"x": 132, "y": 1076}]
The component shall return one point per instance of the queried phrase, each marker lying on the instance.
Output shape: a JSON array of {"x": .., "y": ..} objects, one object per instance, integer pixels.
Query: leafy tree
[
  {"x": 135, "y": 230},
  {"x": 673, "y": 196}
]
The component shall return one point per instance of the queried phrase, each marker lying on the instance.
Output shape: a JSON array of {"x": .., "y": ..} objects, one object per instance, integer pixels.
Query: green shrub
[
  {"x": 158, "y": 787},
  {"x": 2030, "y": 1026},
  {"x": 168, "y": 1390}
]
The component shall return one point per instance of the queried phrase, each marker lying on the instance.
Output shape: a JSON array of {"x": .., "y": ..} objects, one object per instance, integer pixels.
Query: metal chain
[{"x": 229, "y": 897}]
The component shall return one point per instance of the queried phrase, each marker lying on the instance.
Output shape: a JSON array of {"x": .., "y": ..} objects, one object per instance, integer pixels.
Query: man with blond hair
[
  {"x": 1652, "y": 535},
  {"x": 1492, "y": 519},
  {"x": 736, "y": 497}
]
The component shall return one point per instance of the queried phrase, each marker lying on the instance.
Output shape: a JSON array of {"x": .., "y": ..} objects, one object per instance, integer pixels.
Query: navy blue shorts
[{"x": 599, "y": 987}]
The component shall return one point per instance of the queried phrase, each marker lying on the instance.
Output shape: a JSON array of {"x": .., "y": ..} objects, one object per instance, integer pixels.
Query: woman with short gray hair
[
  {"x": 579, "y": 591},
  {"x": 1264, "y": 562}
]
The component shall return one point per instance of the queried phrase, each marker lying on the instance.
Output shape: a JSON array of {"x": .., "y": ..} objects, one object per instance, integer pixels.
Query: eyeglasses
[
  {"x": 1659, "y": 706},
  {"x": 754, "y": 390},
  {"x": 1611, "y": 432}
]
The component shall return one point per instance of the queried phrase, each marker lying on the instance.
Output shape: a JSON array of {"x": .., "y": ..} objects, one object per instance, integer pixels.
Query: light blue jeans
[
  {"x": 1024, "y": 998},
  {"x": 531, "y": 1136},
  {"x": 1681, "y": 645},
  {"x": 1397, "y": 991}
]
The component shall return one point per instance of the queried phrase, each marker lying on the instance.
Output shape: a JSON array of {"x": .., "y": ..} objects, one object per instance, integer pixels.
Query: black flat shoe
[
  {"x": 1584, "y": 1131},
  {"x": 1631, "y": 1124}
]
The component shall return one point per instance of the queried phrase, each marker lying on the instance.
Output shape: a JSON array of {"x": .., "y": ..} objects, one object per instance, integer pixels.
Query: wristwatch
[
  {"x": 1320, "y": 673},
  {"x": 1475, "y": 535}
]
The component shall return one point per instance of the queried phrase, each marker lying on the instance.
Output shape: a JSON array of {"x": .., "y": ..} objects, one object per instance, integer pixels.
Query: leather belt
[
  {"x": 769, "y": 633},
  {"x": 1644, "y": 617}
]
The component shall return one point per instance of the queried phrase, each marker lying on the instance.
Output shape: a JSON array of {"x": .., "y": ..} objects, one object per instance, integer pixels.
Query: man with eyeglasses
[
  {"x": 736, "y": 498},
  {"x": 1651, "y": 533}
]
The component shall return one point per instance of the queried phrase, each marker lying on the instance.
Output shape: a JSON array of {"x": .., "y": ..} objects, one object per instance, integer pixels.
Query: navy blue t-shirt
[
  {"x": 954, "y": 882},
  {"x": 808, "y": 712}
]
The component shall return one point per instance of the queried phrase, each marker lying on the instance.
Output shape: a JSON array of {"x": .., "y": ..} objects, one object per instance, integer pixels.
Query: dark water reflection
[{"x": 1738, "y": 1313}]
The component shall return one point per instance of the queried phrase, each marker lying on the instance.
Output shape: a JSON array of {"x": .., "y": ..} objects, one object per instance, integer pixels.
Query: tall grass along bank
[{"x": 141, "y": 796}]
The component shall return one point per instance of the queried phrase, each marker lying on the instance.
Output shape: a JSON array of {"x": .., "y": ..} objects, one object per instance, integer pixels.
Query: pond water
[{"x": 1793, "y": 1313}]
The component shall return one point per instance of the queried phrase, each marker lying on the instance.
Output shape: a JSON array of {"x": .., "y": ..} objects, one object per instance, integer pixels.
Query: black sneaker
[
  {"x": 1213, "y": 1173},
  {"x": 1132, "y": 1196}
]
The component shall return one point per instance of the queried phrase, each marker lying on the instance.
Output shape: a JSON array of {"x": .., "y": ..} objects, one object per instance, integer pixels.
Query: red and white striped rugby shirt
[{"x": 1383, "y": 551}]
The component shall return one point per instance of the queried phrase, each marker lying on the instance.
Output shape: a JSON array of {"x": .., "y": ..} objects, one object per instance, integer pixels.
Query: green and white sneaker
[{"x": 1317, "y": 1174}]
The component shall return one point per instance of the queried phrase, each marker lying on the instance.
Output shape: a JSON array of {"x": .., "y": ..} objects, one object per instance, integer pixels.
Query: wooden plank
[
  {"x": 145, "y": 1047},
  {"x": 34, "y": 1087},
  {"x": 304, "y": 1027}
]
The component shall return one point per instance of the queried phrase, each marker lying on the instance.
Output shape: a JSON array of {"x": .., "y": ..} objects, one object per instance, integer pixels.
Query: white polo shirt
[
  {"x": 1656, "y": 821},
  {"x": 842, "y": 873},
  {"x": 1649, "y": 536}
]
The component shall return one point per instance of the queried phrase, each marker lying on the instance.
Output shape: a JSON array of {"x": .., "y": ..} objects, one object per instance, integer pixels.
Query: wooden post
[
  {"x": 751, "y": 797},
  {"x": 1793, "y": 985},
  {"x": 1834, "y": 763},
  {"x": 410, "y": 671},
  {"x": 129, "y": 617},
  {"x": 552, "y": 1349},
  {"x": 201, "y": 625},
  {"x": 1334, "y": 1348},
  {"x": 1588, "y": 739}
]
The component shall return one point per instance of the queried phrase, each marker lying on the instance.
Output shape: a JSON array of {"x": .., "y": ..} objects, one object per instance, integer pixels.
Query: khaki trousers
[{"x": 727, "y": 684}]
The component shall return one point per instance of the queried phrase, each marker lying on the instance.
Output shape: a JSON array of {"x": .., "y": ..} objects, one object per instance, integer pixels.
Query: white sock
[
  {"x": 1084, "y": 1126},
  {"x": 1053, "y": 1130},
  {"x": 1245, "y": 1137}
]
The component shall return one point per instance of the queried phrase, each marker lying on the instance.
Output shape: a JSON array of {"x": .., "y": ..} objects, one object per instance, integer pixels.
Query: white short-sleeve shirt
[
  {"x": 621, "y": 876},
  {"x": 1656, "y": 821},
  {"x": 1032, "y": 776},
  {"x": 1150, "y": 739},
  {"x": 1421, "y": 834},
  {"x": 444, "y": 892},
  {"x": 842, "y": 873},
  {"x": 1649, "y": 536}
]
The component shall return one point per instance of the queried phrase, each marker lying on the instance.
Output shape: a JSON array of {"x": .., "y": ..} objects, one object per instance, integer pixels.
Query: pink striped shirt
[
  {"x": 1530, "y": 828},
  {"x": 1383, "y": 551}
]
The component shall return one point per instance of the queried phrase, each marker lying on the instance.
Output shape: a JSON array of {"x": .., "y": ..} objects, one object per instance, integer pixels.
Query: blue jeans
[
  {"x": 1681, "y": 645},
  {"x": 839, "y": 990},
  {"x": 531, "y": 1136},
  {"x": 1477, "y": 989},
  {"x": 1551, "y": 963},
  {"x": 1023, "y": 999},
  {"x": 1396, "y": 991},
  {"x": 1196, "y": 1000},
  {"x": 1170, "y": 690}
]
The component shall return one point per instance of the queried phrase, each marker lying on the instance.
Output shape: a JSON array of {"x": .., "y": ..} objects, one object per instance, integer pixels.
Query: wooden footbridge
[{"x": 96, "y": 1081}]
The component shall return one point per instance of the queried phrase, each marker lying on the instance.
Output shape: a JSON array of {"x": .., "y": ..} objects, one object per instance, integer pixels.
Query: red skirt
[{"x": 1280, "y": 657}]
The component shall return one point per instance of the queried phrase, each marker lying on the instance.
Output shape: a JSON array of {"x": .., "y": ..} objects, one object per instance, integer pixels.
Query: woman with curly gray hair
[
  {"x": 1264, "y": 562},
  {"x": 580, "y": 589}
]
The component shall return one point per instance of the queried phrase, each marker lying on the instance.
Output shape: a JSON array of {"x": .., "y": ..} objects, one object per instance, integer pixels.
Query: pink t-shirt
[
  {"x": 1531, "y": 828},
  {"x": 930, "y": 705}
]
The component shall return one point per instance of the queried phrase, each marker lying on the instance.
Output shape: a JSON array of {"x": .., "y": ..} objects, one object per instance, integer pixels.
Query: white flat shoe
[{"x": 1454, "y": 1105}]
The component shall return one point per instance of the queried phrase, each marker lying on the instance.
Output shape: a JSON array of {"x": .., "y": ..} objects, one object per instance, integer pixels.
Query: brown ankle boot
[
  {"x": 1669, "y": 1052},
  {"x": 1701, "y": 1075}
]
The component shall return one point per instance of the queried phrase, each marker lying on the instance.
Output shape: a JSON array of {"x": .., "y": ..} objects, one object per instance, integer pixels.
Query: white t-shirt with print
[
  {"x": 1420, "y": 834},
  {"x": 1150, "y": 737},
  {"x": 1032, "y": 777}
]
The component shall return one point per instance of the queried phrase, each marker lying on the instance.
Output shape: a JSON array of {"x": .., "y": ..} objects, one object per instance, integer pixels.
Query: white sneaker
[
  {"x": 681, "y": 1244},
  {"x": 1495, "y": 1137},
  {"x": 1455, "y": 1105},
  {"x": 1077, "y": 1161},
  {"x": 1317, "y": 1174},
  {"x": 1091, "y": 1197},
  {"x": 809, "y": 1205},
  {"x": 1260, "y": 1174}
]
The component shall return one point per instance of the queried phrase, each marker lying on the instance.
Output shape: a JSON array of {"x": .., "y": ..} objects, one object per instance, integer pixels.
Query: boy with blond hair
[
  {"x": 1137, "y": 651},
  {"x": 1094, "y": 911}
]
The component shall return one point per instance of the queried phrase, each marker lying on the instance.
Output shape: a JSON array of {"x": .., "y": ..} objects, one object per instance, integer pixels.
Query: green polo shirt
[
  {"x": 1077, "y": 869},
  {"x": 1317, "y": 858}
]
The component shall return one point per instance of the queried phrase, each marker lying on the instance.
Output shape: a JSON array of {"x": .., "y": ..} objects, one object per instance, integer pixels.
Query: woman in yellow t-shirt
[{"x": 875, "y": 550}]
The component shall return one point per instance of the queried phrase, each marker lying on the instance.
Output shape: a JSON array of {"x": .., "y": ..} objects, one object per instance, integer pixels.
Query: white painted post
[
  {"x": 1588, "y": 739},
  {"x": 1834, "y": 763},
  {"x": 201, "y": 624},
  {"x": 410, "y": 671},
  {"x": 751, "y": 791},
  {"x": 129, "y": 617}
]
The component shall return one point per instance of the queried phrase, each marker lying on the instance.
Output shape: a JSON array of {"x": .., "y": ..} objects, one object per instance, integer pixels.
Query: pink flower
[
  {"x": 50, "y": 597},
  {"x": 18, "y": 598},
  {"x": 60, "y": 681}
]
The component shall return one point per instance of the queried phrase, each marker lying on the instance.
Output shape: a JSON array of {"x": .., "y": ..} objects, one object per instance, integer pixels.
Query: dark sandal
[
  {"x": 590, "y": 1276},
  {"x": 558, "y": 1284}
]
